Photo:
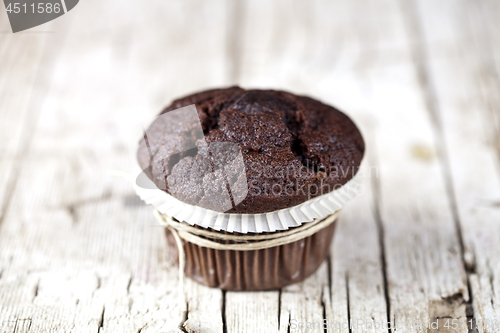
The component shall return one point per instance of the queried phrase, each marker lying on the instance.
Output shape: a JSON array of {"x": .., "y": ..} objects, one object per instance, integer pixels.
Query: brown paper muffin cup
[{"x": 270, "y": 268}]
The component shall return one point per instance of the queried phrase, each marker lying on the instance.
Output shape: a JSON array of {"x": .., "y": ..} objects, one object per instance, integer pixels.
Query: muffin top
[{"x": 265, "y": 149}]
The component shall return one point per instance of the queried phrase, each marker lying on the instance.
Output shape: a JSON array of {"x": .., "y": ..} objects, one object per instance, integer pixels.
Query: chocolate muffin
[
  {"x": 294, "y": 148},
  {"x": 269, "y": 160}
]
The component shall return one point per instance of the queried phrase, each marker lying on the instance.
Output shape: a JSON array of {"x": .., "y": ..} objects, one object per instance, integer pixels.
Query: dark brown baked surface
[{"x": 294, "y": 148}]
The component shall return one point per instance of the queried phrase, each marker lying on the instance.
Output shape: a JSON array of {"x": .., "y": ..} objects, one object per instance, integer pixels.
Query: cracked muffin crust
[{"x": 294, "y": 148}]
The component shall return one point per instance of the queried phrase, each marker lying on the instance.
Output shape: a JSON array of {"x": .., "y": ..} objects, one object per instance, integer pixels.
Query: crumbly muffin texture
[{"x": 293, "y": 148}]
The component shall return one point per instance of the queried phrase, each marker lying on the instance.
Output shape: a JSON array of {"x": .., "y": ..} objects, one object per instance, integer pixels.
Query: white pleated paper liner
[{"x": 315, "y": 208}]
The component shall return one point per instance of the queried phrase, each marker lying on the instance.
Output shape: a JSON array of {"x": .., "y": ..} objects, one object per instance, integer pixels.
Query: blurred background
[
  {"x": 108, "y": 61},
  {"x": 420, "y": 78}
]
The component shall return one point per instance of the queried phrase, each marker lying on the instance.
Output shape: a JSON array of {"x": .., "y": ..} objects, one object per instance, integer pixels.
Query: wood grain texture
[
  {"x": 374, "y": 74},
  {"x": 25, "y": 59},
  {"x": 80, "y": 253},
  {"x": 466, "y": 112}
]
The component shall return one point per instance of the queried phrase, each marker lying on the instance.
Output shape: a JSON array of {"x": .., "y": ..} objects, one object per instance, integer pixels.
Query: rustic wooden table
[{"x": 80, "y": 253}]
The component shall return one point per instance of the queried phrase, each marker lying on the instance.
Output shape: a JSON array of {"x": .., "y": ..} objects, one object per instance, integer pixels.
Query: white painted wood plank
[
  {"x": 422, "y": 250},
  {"x": 252, "y": 312},
  {"x": 484, "y": 24},
  {"x": 464, "y": 80},
  {"x": 368, "y": 71},
  {"x": 424, "y": 265},
  {"x": 357, "y": 263},
  {"x": 302, "y": 304},
  {"x": 23, "y": 62},
  {"x": 204, "y": 309},
  {"x": 78, "y": 251}
]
